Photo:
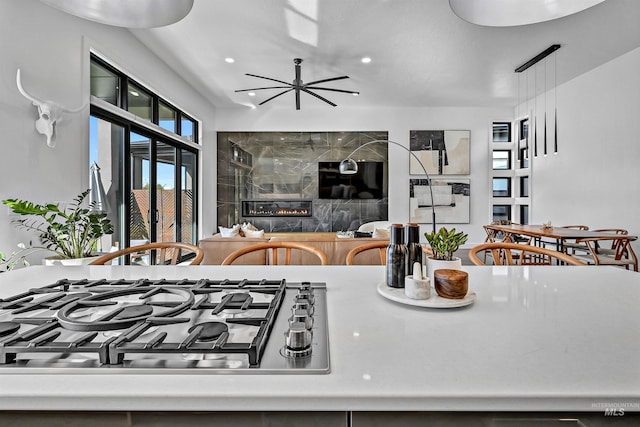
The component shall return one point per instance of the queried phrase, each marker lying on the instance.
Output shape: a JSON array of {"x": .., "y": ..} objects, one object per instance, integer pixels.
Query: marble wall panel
[{"x": 284, "y": 165}]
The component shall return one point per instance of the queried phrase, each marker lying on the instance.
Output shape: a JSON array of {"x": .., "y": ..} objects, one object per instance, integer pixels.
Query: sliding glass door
[{"x": 152, "y": 192}]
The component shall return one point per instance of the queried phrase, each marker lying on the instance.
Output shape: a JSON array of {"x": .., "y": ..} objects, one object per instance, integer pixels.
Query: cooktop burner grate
[{"x": 116, "y": 322}]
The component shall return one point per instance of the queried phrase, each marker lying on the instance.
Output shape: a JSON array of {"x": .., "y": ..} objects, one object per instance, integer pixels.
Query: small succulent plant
[{"x": 445, "y": 242}]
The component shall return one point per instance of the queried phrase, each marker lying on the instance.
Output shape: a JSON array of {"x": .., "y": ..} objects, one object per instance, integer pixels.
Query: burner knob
[
  {"x": 305, "y": 296},
  {"x": 298, "y": 340},
  {"x": 306, "y": 286},
  {"x": 301, "y": 316},
  {"x": 303, "y": 305}
]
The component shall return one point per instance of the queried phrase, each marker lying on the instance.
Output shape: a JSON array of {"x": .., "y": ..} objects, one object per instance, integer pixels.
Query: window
[
  {"x": 139, "y": 102},
  {"x": 501, "y": 159},
  {"x": 150, "y": 176},
  {"x": 524, "y": 214},
  {"x": 523, "y": 146},
  {"x": 501, "y": 212},
  {"x": 501, "y": 132},
  {"x": 187, "y": 128},
  {"x": 524, "y": 186},
  {"x": 510, "y": 170},
  {"x": 524, "y": 129},
  {"x": 105, "y": 84},
  {"x": 501, "y": 187},
  {"x": 167, "y": 117}
]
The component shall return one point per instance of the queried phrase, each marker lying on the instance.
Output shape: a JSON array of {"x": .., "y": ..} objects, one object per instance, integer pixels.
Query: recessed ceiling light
[
  {"x": 366, "y": 60},
  {"x": 230, "y": 60},
  {"x": 251, "y": 94}
]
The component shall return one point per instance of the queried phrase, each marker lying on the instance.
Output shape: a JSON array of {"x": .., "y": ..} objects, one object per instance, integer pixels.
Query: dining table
[{"x": 559, "y": 234}]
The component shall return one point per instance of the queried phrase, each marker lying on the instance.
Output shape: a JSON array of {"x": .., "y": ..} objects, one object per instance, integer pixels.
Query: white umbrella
[{"x": 97, "y": 196}]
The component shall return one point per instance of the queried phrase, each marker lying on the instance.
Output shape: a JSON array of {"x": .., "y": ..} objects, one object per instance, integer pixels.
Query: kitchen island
[{"x": 536, "y": 339}]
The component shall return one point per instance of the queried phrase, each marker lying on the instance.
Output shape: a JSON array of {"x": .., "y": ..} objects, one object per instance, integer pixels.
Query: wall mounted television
[{"x": 368, "y": 183}]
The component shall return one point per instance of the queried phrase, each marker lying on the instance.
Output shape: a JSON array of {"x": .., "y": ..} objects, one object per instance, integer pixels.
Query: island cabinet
[
  {"x": 612, "y": 416},
  {"x": 172, "y": 419},
  {"x": 533, "y": 346}
]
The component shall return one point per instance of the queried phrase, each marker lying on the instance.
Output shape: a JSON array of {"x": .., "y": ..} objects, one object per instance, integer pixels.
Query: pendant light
[
  {"x": 555, "y": 103},
  {"x": 532, "y": 62},
  {"x": 545, "y": 108},
  {"x": 535, "y": 111}
]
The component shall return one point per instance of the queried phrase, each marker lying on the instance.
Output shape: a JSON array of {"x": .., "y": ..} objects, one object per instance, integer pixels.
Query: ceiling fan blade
[
  {"x": 261, "y": 88},
  {"x": 319, "y": 97},
  {"x": 275, "y": 96},
  {"x": 333, "y": 90},
  {"x": 327, "y": 80},
  {"x": 297, "y": 99},
  {"x": 267, "y": 78}
]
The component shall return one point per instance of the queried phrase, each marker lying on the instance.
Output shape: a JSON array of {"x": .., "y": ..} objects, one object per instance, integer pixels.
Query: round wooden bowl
[{"x": 452, "y": 284}]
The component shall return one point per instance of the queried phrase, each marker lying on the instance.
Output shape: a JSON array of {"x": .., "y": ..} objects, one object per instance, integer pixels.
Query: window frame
[{"x": 120, "y": 116}]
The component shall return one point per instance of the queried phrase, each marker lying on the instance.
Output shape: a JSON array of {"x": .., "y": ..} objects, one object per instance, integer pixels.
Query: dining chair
[
  {"x": 621, "y": 254},
  {"x": 611, "y": 250},
  {"x": 505, "y": 253},
  {"x": 272, "y": 248},
  {"x": 170, "y": 253},
  {"x": 381, "y": 246},
  {"x": 571, "y": 245}
]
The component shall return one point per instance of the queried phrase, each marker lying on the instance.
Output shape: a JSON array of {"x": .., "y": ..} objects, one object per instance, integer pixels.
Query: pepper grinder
[
  {"x": 414, "y": 248},
  {"x": 396, "y": 257}
]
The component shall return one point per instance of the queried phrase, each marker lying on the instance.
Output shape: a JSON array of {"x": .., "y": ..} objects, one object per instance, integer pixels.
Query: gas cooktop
[{"x": 152, "y": 326}]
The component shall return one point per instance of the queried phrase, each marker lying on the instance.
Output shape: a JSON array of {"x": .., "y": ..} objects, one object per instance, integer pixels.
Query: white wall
[
  {"x": 398, "y": 122},
  {"x": 52, "y": 50},
  {"x": 595, "y": 176}
]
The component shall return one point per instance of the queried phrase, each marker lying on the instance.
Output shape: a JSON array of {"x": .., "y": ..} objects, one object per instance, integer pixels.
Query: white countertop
[{"x": 536, "y": 338}]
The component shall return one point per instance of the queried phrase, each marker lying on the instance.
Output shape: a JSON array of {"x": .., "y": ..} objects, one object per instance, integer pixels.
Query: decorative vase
[{"x": 437, "y": 264}]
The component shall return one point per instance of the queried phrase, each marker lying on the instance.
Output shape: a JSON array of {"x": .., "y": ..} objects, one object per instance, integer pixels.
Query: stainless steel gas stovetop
[{"x": 168, "y": 326}]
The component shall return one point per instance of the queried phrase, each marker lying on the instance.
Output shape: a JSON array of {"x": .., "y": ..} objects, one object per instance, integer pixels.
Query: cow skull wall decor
[{"x": 49, "y": 113}]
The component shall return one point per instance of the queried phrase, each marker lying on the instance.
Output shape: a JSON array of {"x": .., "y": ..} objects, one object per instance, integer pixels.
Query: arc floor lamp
[{"x": 349, "y": 167}]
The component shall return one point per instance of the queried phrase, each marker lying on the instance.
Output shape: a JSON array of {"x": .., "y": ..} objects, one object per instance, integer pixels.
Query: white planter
[
  {"x": 438, "y": 264},
  {"x": 56, "y": 260}
]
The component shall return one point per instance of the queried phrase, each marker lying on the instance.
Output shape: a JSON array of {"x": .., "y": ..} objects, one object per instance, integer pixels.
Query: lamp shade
[
  {"x": 126, "y": 13},
  {"x": 348, "y": 167},
  {"x": 507, "y": 13}
]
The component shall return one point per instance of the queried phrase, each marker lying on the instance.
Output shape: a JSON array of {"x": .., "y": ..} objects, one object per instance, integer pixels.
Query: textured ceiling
[{"x": 422, "y": 54}]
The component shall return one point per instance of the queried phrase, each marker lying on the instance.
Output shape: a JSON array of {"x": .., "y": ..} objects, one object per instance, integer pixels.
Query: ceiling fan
[{"x": 299, "y": 86}]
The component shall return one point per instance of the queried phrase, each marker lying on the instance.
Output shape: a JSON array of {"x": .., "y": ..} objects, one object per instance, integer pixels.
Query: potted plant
[
  {"x": 71, "y": 232},
  {"x": 15, "y": 258},
  {"x": 444, "y": 244}
]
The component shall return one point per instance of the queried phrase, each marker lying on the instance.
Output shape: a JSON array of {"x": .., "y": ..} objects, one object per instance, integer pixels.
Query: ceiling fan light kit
[{"x": 298, "y": 86}]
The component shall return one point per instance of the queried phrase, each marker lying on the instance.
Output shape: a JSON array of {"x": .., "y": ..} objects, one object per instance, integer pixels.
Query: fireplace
[{"x": 277, "y": 208}]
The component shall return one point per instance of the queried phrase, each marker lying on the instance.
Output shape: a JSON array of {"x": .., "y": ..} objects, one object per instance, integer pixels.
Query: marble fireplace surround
[{"x": 281, "y": 168}]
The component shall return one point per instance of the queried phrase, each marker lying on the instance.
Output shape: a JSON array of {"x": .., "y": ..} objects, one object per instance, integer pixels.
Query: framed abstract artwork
[
  {"x": 450, "y": 200},
  {"x": 442, "y": 152}
]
